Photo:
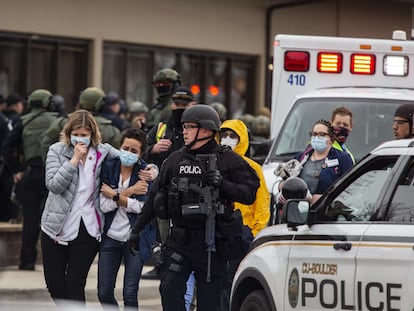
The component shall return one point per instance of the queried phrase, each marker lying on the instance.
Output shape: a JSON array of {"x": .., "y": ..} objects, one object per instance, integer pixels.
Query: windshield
[{"x": 372, "y": 125}]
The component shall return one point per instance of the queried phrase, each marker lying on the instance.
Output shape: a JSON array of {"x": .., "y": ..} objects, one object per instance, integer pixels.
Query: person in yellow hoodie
[{"x": 234, "y": 134}]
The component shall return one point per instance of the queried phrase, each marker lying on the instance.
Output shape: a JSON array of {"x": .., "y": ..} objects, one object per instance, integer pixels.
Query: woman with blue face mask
[
  {"x": 123, "y": 193},
  {"x": 322, "y": 164}
]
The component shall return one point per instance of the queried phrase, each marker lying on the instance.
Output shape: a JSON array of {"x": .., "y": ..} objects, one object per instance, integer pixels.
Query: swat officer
[
  {"x": 91, "y": 99},
  {"x": 28, "y": 170},
  {"x": 176, "y": 194},
  {"x": 165, "y": 81}
]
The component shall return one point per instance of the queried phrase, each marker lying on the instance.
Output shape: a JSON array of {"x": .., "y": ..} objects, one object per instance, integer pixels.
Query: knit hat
[{"x": 405, "y": 111}]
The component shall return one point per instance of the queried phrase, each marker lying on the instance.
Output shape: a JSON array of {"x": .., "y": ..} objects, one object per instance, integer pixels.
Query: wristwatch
[{"x": 116, "y": 197}]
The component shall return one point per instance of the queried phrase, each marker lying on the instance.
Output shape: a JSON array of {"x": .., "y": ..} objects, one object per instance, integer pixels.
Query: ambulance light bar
[
  {"x": 395, "y": 65},
  {"x": 363, "y": 64},
  {"x": 329, "y": 62},
  {"x": 297, "y": 61},
  {"x": 360, "y": 64}
]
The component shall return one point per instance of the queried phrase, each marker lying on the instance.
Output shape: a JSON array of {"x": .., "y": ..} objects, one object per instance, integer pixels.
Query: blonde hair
[{"x": 82, "y": 119}]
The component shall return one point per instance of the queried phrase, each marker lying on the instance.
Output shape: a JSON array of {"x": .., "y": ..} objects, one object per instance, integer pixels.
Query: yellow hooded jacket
[{"x": 256, "y": 215}]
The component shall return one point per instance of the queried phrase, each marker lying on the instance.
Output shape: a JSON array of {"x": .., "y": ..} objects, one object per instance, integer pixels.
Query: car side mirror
[{"x": 295, "y": 212}]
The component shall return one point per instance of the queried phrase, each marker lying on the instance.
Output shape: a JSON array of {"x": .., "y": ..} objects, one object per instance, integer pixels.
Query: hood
[{"x": 240, "y": 129}]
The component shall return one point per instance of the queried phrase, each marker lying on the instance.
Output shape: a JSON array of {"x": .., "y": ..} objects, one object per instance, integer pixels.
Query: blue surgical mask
[
  {"x": 318, "y": 143},
  {"x": 80, "y": 140},
  {"x": 128, "y": 158}
]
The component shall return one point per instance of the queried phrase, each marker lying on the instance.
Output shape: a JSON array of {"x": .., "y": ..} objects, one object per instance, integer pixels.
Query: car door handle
[{"x": 344, "y": 246}]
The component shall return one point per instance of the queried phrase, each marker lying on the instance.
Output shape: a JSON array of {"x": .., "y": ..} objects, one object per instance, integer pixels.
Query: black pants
[
  {"x": 179, "y": 261},
  {"x": 66, "y": 267},
  {"x": 31, "y": 193}
]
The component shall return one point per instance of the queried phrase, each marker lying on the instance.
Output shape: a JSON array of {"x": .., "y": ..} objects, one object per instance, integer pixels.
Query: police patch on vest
[{"x": 190, "y": 170}]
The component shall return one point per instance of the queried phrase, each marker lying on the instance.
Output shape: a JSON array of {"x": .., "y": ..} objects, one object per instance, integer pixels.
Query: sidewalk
[{"x": 28, "y": 288}]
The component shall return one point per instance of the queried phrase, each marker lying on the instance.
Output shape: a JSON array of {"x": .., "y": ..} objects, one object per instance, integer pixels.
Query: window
[
  {"x": 29, "y": 62},
  {"x": 401, "y": 208},
  {"x": 213, "y": 77},
  {"x": 358, "y": 201}
]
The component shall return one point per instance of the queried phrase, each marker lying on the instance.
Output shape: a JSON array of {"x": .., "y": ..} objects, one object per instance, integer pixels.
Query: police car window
[
  {"x": 401, "y": 208},
  {"x": 357, "y": 201}
]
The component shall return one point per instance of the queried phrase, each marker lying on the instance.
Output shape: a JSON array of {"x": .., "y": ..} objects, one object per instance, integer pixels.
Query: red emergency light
[
  {"x": 195, "y": 88},
  {"x": 363, "y": 64},
  {"x": 214, "y": 90},
  {"x": 296, "y": 61},
  {"x": 329, "y": 62}
]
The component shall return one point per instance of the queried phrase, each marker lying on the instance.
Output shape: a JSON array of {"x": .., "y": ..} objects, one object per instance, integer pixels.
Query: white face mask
[{"x": 231, "y": 142}]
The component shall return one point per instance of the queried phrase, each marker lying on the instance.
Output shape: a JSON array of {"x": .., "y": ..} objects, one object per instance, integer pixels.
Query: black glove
[
  {"x": 133, "y": 243},
  {"x": 214, "y": 178}
]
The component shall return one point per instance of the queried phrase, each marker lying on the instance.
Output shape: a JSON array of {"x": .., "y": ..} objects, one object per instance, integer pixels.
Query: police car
[{"x": 352, "y": 250}]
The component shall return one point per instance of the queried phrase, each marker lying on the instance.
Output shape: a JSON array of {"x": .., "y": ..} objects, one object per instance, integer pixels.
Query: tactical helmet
[
  {"x": 40, "y": 98},
  {"x": 221, "y": 110},
  {"x": 137, "y": 107},
  {"x": 165, "y": 81},
  {"x": 203, "y": 115},
  {"x": 406, "y": 111},
  {"x": 91, "y": 99},
  {"x": 295, "y": 188},
  {"x": 166, "y": 74},
  {"x": 249, "y": 120},
  {"x": 57, "y": 103},
  {"x": 261, "y": 126}
]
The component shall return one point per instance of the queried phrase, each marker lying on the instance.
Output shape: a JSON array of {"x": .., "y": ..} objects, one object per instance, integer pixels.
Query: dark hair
[
  {"x": 136, "y": 134},
  {"x": 328, "y": 124},
  {"x": 343, "y": 111}
]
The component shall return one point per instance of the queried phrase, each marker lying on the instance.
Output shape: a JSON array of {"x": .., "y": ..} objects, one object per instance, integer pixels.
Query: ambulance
[
  {"x": 313, "y": 75},
  {"x": 353, "y": 250}
]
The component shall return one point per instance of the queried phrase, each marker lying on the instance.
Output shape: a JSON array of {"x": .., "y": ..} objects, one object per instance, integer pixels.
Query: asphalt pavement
[{"x": 26, "y": 290}]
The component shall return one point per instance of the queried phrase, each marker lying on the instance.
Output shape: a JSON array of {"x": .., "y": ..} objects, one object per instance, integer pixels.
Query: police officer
[
  {"x": 29, "y": 173},
  {"x": 165, "y": 81},
  {"x": 176, "y": 195},
  {"x": 163, "y": 139},
  {"x": 91, "y": 99}
]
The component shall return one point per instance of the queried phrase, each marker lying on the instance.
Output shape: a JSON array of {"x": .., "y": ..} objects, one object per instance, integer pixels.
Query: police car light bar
[
  {"x": 363, "y": 64},
  {"x": 395, "y": 65},
  {"x": 296, "y": 61},
  {"x": 329, "y": 62}
]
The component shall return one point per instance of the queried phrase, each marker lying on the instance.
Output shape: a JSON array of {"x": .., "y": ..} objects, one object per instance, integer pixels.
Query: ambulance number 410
[{"x": 297, "y": 79}]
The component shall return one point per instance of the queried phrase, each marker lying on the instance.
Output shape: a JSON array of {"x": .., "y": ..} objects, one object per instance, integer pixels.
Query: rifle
[{"x": 208, "y": 204}]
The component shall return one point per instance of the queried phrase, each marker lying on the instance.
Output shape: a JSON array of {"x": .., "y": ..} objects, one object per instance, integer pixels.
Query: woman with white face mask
[
  {"x": 322, "y": 164},
  {"x": 72, "y": 220}
]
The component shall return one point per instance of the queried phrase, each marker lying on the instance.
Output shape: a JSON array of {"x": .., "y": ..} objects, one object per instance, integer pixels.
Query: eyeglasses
[
  {"x": 319, "y": 134},
  {"x": 399, "y": 122},
  {"x": 230, "y": 134},
  {"x": 189, "y": 126}
]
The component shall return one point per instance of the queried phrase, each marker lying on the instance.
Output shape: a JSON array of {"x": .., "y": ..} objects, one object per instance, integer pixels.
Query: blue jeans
[{"x": 111, "y": 253}]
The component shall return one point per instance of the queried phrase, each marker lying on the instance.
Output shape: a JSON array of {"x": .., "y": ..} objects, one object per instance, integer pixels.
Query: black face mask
[
  {"x": 341, "y": 134},
  {"x": 176, "y": 115}
]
